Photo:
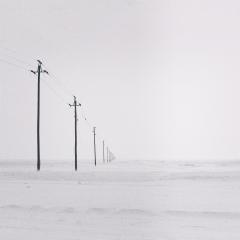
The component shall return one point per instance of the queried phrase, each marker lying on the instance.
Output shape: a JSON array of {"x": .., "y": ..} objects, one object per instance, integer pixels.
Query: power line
[
  {"x": 15, "y": 53},
  {"x": 13, "y": 64},
  {"x": 54, "y": 91},
  {"x": 86, "y": 121},
  {"x": 18, "y": 60},
  {"x": 61, "y": 85}
]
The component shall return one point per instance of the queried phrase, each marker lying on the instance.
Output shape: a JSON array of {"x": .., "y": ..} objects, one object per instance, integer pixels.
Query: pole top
[{"x": 39, "y": 62}]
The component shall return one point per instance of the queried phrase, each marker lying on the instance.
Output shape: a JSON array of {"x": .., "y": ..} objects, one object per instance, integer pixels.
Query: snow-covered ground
[{"x": 142, "y": 200}]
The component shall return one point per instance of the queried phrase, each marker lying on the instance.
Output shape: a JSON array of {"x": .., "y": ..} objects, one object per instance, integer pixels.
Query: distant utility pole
[
  {"x": 38, "y": 72},
  {"x": 107, "y": 155},
  {"x": 103, "y": 152},
  {"x": 75, "y": 105},
  {"x": 113, "y": 157},
  {"x": 110, "y": 156},
  {"x": 94, "y": 141}
]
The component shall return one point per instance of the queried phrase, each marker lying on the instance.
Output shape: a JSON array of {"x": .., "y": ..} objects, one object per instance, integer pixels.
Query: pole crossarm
[{"x": 39, "y": 69}]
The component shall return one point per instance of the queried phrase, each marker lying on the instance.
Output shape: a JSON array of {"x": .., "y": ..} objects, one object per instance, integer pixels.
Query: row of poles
[{"x": 109, "y": 155}]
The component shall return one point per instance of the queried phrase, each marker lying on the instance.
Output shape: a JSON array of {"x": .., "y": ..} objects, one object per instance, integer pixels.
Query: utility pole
[
  {"x": 110, "y": 156},
  {"x": 113, "y": 157},
  {"x": 107, "y": 155},
  {"x": 103, "y": 152},
  {"x": 38, "y": 72},
  {"x": 75, "y": 105},
  {"x": 94, "y": 141}
]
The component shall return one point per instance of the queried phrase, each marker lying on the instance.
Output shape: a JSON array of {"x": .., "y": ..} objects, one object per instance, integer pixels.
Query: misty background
[{"x": 159, "y": 79}]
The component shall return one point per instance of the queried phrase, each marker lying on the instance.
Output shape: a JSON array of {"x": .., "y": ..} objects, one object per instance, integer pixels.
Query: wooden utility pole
[
  {"x": 107, "y": 155},
  {"x": 38, "y": 72},
  {"x": 75, "y": 105},
  {"x": 110, "y": 156},
  {"x": 94, "y": 141},
  {"x": 103, "y": 152}
]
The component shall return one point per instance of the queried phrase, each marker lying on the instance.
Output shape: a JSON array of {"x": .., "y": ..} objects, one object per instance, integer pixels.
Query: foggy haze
[{"x": 159, "y": 79}]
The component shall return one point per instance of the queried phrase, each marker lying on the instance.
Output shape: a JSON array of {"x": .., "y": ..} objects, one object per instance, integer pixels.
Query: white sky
[{"x": 159, "y": 79}]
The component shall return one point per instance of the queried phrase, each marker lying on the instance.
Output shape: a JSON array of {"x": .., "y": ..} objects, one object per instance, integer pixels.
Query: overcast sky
[{"x": 158, "y": 78}]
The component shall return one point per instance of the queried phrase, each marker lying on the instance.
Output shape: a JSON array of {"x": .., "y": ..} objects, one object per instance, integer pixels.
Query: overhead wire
[
  {"x": 67, "y": 91},
  {"x": 16, "y": 55},
  {"x": 54, "y": 91},
  {"x": 60, "y": 84},
  {"x": 17, "y": 59},
  {"x": 85, "y": 119},
  {"x": 13, "y": 64}
]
